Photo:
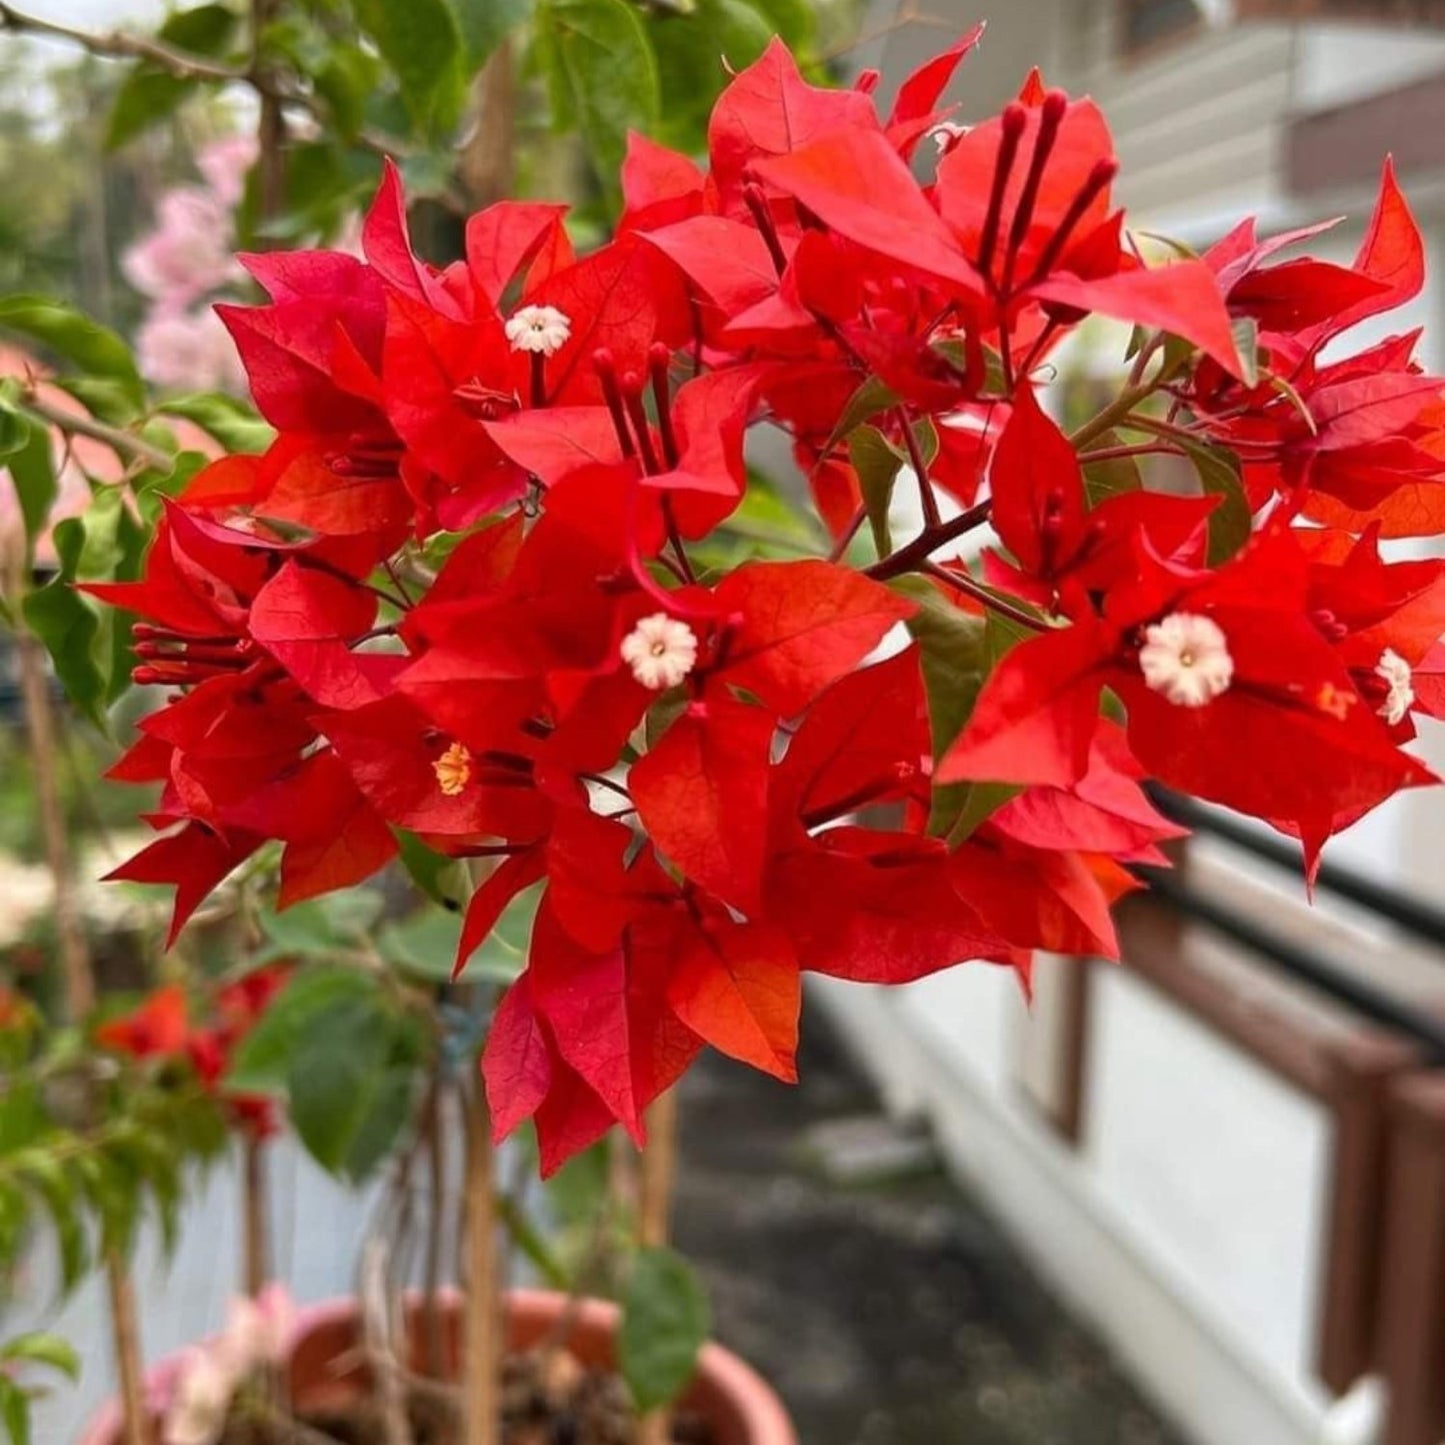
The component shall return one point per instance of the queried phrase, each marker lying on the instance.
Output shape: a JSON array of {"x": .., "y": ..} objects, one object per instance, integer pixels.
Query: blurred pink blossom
[
  {"x": 223, "y": 165},
  {"x": 188, "y": 254},
  {"x": 188, "y": 351}
]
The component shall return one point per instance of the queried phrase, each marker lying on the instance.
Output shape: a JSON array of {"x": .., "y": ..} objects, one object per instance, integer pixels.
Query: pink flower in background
[
  {"x": 223, "y": 165},
  {"x": 188, "y": 351},
  {"x": 182, "y": 265},
  {"x": 189, "y": 252}
]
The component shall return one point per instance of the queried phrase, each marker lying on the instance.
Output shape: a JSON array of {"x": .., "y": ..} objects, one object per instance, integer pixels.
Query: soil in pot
[{"x": 554, "y": 1400}]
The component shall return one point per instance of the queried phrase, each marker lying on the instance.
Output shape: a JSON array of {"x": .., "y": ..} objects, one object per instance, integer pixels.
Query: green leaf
[
  {"x": 43, "y": 1349},
  {"x": 94, "y": 348},
  {"x": 345, "y": 81},
  {"x": 32, "y": 473},
  {"x": 665, "y": 1322},
  {"x": 871, "y": 397},
  {"x": 325, "y": 925},
  {"x": 484, "y": 24},
  {"x": 262, "y": 1061},
  {"x": 14, "y": 1411},
  {"x": 1246, "y": 344},
  {"x": 148, "y": 94},
  {"x": 1219, "y": 475},
  {"x": 1110, "y": 477},
  {"x": 233, "y": 423},
  {"x": 348, "y": 1093},
  {"x": 48, "y": 1179},
  {"x": 794, "y": 20},
  {"x": 601, "y": 77},
  {"x": 425, "y": 943},
  {"x": 877, "y": 463},
  {"x": 953, "y": 656},
  {"x": 694, "y": 55},
  {"x": 67, "y": 625},
  {"x": 420, "y": 41},
  {"x": 90, "y": 647},
  {"x": 145, "y": 98},
  {"x": 442, "y": 879}
]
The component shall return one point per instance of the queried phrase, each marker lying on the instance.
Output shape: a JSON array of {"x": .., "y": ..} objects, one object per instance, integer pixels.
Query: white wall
[
  {"x": 1219, "y": 1167},
  {"x": 1340, "y": 63}
]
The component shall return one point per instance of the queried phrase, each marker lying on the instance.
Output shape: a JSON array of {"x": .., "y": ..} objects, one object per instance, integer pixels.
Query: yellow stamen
[
  {"x": 453, "y": 770},
  {"x": 1334, "y": 700}
]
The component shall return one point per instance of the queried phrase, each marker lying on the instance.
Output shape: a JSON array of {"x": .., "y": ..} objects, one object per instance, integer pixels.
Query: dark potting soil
[
  {"x": 892, "y": 1314},
  {"x": 559, "y": 1403}
]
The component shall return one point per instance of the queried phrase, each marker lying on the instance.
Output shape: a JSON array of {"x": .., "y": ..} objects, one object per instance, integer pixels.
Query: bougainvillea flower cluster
[
  {"x": 162, "y": 1030},
  {"x": 490, "y": 592}
]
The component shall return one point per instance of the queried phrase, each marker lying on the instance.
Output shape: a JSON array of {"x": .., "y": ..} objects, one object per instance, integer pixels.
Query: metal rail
[
  {"x": 1308, "y": 966},
  {"x": 1414, "y": 915}
]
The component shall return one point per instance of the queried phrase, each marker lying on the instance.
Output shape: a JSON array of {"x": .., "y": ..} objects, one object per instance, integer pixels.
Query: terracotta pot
[{"x": 739, "y": 1405}]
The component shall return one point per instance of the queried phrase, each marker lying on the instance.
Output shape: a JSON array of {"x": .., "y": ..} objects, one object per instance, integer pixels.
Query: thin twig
[
  {"x": 931, "y": 517},
  {"x": 121, "y": 45},
  {"x": 377, "y": 1333},
  {"x": 87, "y": 426},
  {"x": 962, "y": 582},
  {"x": 909, "y": 557}
]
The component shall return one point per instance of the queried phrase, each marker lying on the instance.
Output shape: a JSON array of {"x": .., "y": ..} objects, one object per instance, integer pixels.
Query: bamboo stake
[
  {"x": 40, "y": 728},
  {"x": 127, "y": 1348},
  {"x": 256, "y": 1260},
  {"x": 482, "y": 1314},
  {"x": 436, "y": 1206},
  {"x": 79, "y": 990},
  {"x": 654, "y": 1220},
  {"x": 659, "y": 1168}
]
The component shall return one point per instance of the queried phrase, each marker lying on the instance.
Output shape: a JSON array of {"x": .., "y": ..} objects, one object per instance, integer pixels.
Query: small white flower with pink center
[
  {"x": 1186, "y": 658},
  {"x": 661, "y": 651},
  {"x": 204, "y": 1390},
  {"x": 540, "y": 329},
  {"x": 1394, "y": 672}
]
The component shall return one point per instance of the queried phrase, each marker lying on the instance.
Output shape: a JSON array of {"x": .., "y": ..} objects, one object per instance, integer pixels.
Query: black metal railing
[{"x": 1308, "y": 963}]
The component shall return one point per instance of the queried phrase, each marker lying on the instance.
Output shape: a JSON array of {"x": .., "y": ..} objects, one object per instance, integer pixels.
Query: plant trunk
[
  {"x": 256, "y": 1264},
  {"x": 79, "y": 989},
  {"x": 270, "y": 124},
  {"x": 482, "y": 1313},
  {"x": 654, "y": 1219},
  {"x": 69, "y": 926},
  {"x": 486, "y": 162}
]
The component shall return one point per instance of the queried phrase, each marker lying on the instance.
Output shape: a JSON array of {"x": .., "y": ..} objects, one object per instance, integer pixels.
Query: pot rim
[{"x": 759, "y": 1408}]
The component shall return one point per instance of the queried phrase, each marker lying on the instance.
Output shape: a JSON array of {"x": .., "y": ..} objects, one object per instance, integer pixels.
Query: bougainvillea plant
[{"x": 483, "y": 595}]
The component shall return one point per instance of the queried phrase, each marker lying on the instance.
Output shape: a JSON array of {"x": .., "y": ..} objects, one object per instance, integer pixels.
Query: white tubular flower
[
  {"x": 1394, "y": 672},
  {"x": 1186, "y": 658},
  {"x": 660, "y": 650},
  {"x": 204, "y": 1390},
  {"x": 540, "y": 329}
]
